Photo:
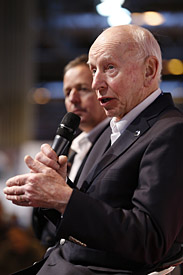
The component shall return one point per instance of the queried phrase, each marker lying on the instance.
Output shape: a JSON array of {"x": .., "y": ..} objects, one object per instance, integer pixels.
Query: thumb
[
  {"x": 62, "y": 160},
  {"x": 34, "y": 165}
]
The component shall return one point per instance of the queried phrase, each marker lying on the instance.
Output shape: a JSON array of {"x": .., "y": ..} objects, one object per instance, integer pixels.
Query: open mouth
[{"x": 105, "y": 100}]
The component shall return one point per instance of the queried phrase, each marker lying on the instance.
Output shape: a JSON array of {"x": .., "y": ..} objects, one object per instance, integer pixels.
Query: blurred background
[{"x": 38, "y": 38}]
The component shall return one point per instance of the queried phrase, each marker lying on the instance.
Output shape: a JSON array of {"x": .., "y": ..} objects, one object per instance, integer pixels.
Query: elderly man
[{"x": 127, "y": 216}]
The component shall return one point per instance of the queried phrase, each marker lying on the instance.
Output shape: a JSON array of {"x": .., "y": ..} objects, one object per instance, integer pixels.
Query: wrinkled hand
[
  {"x": 44, "y": 186},
  {"x": 48, "y": 157}
]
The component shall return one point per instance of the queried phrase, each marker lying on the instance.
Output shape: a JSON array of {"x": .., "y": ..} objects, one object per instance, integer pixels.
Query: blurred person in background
[{"x": 80, "y": 99}]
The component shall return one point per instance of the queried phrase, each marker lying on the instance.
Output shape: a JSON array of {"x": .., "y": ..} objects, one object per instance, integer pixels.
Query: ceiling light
[
  {"x": 153, "y": 18},
  {"x": 109, "y": 6},
  {"x": 175, "y": 67},
  {"x": 41, "y": 96},
  {"x": 116, "y": 14},
  {"x": 121, "y": 17},
  {"x": 148, "y": 18}
]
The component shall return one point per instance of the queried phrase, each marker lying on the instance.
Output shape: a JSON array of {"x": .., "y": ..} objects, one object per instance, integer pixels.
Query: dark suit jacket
[{"x": 128, "y": 213}]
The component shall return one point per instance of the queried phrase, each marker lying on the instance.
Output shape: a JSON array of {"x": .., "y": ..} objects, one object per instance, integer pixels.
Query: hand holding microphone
[{"x": 45, "y": 187}]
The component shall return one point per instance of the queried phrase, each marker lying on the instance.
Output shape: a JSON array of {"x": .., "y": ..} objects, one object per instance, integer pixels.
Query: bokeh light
[
  {"x": 175, "y": 66},
  {"x": 41, "y": 96}
]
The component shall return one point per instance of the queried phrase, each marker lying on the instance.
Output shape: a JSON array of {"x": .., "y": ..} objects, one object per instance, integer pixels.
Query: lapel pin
[{"x": 137, "y": 133}]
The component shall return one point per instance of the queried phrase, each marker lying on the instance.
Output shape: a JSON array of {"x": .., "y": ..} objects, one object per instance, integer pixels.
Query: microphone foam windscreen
[
  {"x": 71, "y": 120},
  {"x": 68, "y": 125}
]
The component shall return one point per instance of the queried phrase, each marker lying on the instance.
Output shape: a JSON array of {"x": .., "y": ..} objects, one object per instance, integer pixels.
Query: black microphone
[{"x": 65, "y": 132}]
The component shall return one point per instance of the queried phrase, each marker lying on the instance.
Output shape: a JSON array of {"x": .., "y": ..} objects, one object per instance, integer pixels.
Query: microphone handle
[{"x": 59, "y": 144}]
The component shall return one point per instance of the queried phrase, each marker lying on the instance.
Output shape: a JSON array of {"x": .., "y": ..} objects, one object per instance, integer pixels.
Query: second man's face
[{"x": 80, "y": 98}]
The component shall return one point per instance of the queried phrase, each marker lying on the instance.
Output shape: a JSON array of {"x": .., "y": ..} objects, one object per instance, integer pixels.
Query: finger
[
  {"x": 17, "y": 180},
  {"x": 22, "y": 203},
  {"x": 13, "y": 190},
  {"x": 41, "y": 157},
  {"x": 49, "y": 152},
  {"x": 62, "y": 160},
  {"x": 34, "y": 165},
  {"x": 19, "y": 200}
]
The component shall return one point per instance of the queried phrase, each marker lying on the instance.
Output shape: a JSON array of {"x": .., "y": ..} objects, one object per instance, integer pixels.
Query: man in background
[{"x": 80, "y": 99}]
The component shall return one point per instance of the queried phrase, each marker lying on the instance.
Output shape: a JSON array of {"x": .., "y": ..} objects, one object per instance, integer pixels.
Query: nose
[
  {"x": 98, "y": 82},
  {"x": 74, "y": 96}
]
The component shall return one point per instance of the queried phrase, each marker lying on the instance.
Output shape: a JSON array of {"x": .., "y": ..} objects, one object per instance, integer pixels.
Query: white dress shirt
[
  {"x": 82, "y": 144},
  {"x": 118, "y": 127}
]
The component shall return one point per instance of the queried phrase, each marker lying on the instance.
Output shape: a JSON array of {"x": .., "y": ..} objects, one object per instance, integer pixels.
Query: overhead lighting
[
  {"x": 122, "y": 17},
  {"x": 116, "y": 14},
  {"x": 175, "y": 67},
  {"x": 153, "y": 18},
  {"x": 41, "y": 96},
  {"x": 109, "y": 6},
  {"x": 148, "y": 18}
]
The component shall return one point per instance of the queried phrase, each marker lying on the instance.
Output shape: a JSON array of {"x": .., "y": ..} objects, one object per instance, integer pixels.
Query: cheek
[
  {"x": 119, "y": 86},
  {"x": 67, "y": 105},
  {"x": 90, "y": 101},
  {"x": 134, "y": 74},
  {"x": 123, "y": 89}
]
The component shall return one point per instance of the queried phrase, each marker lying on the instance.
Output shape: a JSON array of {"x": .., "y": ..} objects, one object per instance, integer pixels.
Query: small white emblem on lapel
[{"x": 137, "y": 133}]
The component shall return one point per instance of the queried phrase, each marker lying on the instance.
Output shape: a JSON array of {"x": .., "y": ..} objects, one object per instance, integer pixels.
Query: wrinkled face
[
  {"x": 118, "y": 77},
  {"x": 80, "y": 98}
]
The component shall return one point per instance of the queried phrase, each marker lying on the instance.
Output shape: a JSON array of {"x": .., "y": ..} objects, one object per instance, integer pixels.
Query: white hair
[{"x": 147, "y": 45}]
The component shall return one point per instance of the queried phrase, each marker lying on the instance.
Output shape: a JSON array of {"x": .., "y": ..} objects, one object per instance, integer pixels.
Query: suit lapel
[
  {"x": 130, "y": 135},
  {"x": 134, "y": 131},
  {"x": 96, "y": 152}
]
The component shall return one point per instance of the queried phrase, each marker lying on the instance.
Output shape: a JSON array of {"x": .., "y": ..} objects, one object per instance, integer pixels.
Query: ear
[{"x": 151, "y": 68}]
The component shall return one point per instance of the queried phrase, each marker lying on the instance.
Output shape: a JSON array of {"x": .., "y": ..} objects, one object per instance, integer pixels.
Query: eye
[
  {"x": 83, "y": 88},
  {"x": 110, "y": 67},
  {"x": 93, "y": 70},
  {"x": 67, "y": 92}
]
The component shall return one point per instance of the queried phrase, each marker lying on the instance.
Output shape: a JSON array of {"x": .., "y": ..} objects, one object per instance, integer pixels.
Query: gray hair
[{"x": 147, "y": 45}]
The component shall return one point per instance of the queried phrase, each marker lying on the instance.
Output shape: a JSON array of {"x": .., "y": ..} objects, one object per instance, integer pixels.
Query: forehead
[
  {"x": 105, "y": 49},
  {"x": 116, "y": 42},
  {"x": 80, "y": 74},
  {"x": 78, "y": 71},
  {"x": 113, "y": 50}
]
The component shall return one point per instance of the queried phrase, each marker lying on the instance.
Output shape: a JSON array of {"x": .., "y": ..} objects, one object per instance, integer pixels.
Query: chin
[{"x": 109, "y": 113}]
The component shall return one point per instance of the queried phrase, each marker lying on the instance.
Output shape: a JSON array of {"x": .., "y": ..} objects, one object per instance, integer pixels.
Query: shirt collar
[
  {"x": 80, "y": 141},
  {"x": 120, "y": 126},
  {"x": 86, "y": 139}
]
